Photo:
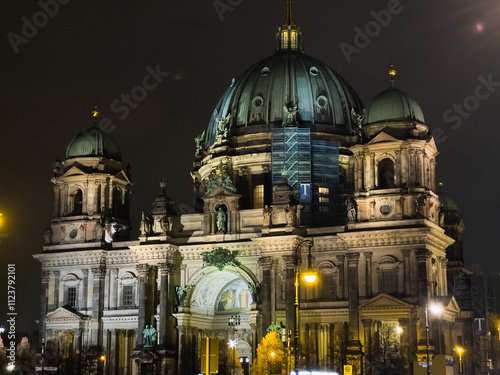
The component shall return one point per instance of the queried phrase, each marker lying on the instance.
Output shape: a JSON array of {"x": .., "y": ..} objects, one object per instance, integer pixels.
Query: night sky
[{"x": 91, "y": 52}]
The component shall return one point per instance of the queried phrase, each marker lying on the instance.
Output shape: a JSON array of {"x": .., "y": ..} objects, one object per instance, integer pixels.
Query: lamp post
[
  {"x": 234, "y": 320},
  {"x": 310, "y": 277},
  {"x": 436, "y": 309},
  {"x": 459, "y": 351}
]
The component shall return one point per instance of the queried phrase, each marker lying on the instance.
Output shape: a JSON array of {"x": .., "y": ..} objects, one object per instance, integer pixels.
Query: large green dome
[
  {"x": 256, "y": 100},
  {"x": 394, "y": 105},
  {"x": 93, "y": 142}
]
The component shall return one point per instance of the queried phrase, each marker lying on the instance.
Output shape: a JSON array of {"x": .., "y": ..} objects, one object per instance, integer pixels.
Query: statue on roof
[
  {"x": 200, "y": 143},
  {"x": 220, "y": 178},
  {"x": 223, "y": 126},
  {"x": 290, "y": 113}
]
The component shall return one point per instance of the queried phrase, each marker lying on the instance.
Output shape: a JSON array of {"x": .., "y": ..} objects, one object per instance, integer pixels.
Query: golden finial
[
  {"x": 392, "y": 73},
  {"x": 95, "y": 112}
]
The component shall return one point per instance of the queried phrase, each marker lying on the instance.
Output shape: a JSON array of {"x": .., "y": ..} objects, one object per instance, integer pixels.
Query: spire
[
  {"x": 392, "y": 73},
  {"x": 289, "y": 35},
  {"x": 289, "y": 20}
]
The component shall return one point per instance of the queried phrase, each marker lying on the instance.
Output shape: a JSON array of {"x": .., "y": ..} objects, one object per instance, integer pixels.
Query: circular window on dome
[
  {"x": 385, "y": 209},
  {"x": 265, "y": 71},
  {"x": 313, "y": 71},
  {"x": 258, "y": 102},
  {"x": 322, "y": 101}
]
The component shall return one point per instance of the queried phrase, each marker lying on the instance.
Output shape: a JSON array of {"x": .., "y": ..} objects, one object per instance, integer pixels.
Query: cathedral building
[{"x": 292, "y": 172}]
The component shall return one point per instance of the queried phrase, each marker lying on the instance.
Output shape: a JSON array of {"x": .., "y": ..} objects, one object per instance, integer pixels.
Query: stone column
[
  {"x": 266, "y": 264},
  {"x": 421, "y": 167},
  {"x": 44, "y": 290},
  {"x": 353, "y": 291},
  {"x": 165, "y": 330},
  {"x": 112, "y": 356},
  {"x": 367, "y": 325},
  {"x": 98, "y": 278},
  {"x": 369, "y": 283},
  {"x": 406, "y": 271},
  {"x": 57, "y": 201},
  {"x": 290, "y": 295},
  {"x": 412, "y": 176},
  {"x": 369, "y": 181},
  {"x": 356, "y": 172},
  {"x": 404, "y": 341},
  {"x": 341, "y": 259},
  {"x": 423, "y": 256},
  {"x": 182, "y": 350},
  {"x": 404, "y": 166},
  {"x": 57, "y": 281},
  {"x": 397, "y": 169},
  {"x": 143, "y": 270},
  {"x": 113, "y": 288},
  {"x": 85, "y": 288}
]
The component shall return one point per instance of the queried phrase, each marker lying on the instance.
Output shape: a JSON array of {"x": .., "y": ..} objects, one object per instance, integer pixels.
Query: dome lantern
[{"x": 289, "y": 35}]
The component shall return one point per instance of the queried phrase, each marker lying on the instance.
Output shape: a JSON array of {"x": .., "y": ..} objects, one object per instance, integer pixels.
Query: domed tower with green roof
[
  {"x": 91, "y": 191},
  {"x": 395, "y": 175}
]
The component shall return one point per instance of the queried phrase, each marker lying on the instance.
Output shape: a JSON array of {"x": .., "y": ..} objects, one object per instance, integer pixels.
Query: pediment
[
  {"x": 383, "y": 137},
  {"x": 384, "y": 301},
  {"x": 452, "y": 305},
  {"x": 74, "y": 171},
  {"x": 64, "y": 313},
  {"x": 122, "y": 176},
  {"x": 220, "y": 190}
]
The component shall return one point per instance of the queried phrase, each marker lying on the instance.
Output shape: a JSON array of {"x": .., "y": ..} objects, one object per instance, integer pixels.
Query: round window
[
  {"x": 385, "y": 209},
  {"x": 322, "y": 101},
  {"x": 258, "y": 102},
  {"x": 313, "y": 71},
  {"x": 265, "y": 71},
  {"x": 73, "y": 233}
]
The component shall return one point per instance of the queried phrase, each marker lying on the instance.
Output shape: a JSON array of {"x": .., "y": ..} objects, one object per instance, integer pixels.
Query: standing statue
[
  {"x": 165, "y": 224},
  {"x": 352, "y": 209},
  {"x": 146, "y": 341},
  {"x": 144, "y": 226},
  {"x": 221, "y": 220},
  {"x": 290, "y": 215},
  {"x": 181, "y": 294},
  {"x": 266, "y": 221}
]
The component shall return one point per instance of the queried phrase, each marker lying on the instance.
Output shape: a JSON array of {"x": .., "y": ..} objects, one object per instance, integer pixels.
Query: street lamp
[
  {"x": 234, "y": 320},
  {"x": 272, "y": 362},
  {"x": 310, "y": 277},
  {"x": 435, "y": 308},
  {"x": 459, "y": 351}
]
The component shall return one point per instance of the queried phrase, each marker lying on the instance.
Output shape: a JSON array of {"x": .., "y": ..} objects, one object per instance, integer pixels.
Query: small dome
[
  {"x": 394, "y": 105},
  {"x": 93, "y": 142},
  {"x": 447, "y": 203}
]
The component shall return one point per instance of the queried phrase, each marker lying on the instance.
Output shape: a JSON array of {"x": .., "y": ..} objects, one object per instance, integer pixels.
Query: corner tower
[{"x": 91, "y": 191}]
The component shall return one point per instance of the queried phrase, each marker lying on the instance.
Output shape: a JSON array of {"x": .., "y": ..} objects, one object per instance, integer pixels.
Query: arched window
[
  {"x": 127, "y": 289},
  {"x": 77, "y": 199},
  {"x": 386, "y": 174},
  {"x": 327, "y": 288},
  {"x": 71, "y": 285},
  {"x": 388, "y": 274}
]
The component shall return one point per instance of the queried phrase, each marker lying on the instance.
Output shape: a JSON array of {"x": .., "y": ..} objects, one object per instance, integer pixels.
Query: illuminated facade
[{"x": 289, "y": 154}]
